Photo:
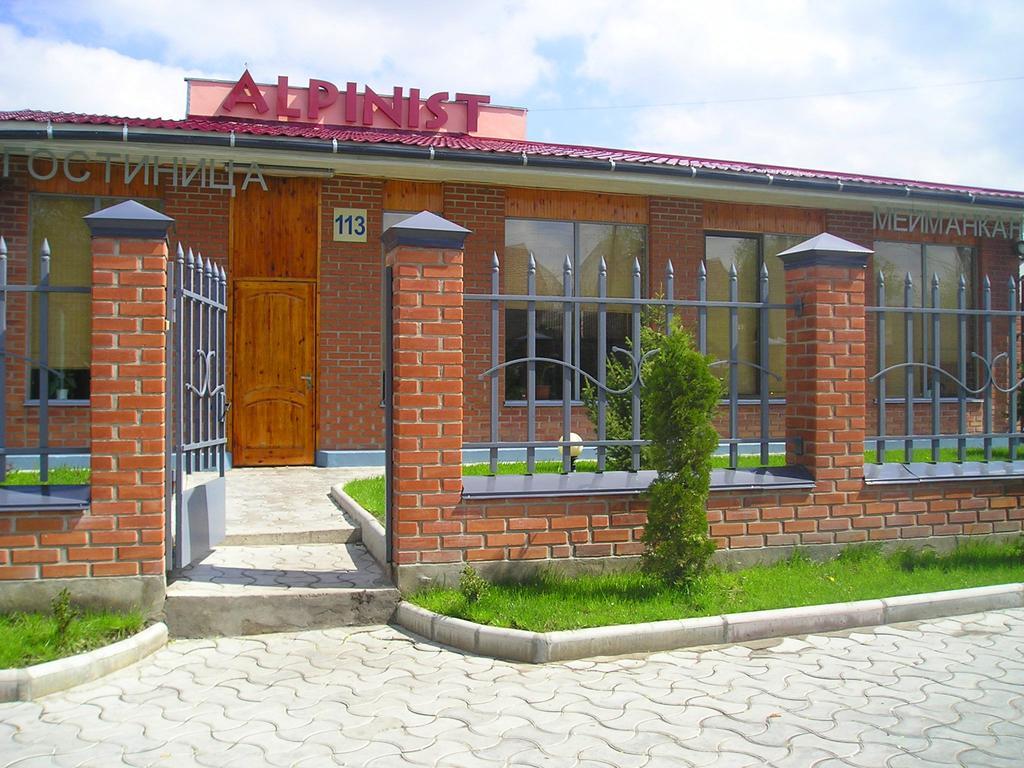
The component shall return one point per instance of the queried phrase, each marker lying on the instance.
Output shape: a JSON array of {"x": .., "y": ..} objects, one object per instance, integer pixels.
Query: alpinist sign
[{"x": 324, "y": 102}]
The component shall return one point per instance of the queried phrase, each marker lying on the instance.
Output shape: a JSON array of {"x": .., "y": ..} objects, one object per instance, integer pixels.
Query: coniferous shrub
[{"x": 680, "y": 395}]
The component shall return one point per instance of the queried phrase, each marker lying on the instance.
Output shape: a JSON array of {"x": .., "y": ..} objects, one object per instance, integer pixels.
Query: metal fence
[
  {"x": 570, "y": 305},
  {"x": 197, "y": 395},
  {"x": 43, "y": 371},
  {"x": 968, "y": 376}
]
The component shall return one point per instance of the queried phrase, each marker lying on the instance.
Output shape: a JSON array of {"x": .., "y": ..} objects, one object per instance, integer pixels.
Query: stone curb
[
  {"x": 372, "y": 531},
  {"x": 541, "y": 647},
  {"x": 52, "y": 676}
]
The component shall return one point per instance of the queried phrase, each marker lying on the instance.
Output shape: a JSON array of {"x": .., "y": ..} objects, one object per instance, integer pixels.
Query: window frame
[
  {"x": 576, "y": 398},
  {"x": 32, "y": 274}
]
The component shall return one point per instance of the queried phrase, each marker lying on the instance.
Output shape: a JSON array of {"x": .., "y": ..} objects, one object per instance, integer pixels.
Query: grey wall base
[
  {"x": 409, "y": 578},
  {"x": 113, "y": 593}
]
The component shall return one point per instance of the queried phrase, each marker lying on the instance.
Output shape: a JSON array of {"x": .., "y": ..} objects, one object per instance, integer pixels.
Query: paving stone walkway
[
  {"x": 939, "y": 693},
  {"x": 268, "y": 505}
]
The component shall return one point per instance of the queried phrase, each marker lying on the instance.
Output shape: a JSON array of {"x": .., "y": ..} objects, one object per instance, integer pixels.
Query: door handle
[{"x": 308, "y": 378}]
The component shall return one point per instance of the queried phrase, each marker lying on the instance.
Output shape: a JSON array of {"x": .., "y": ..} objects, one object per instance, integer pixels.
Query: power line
[{"x": 794, "y": 97}]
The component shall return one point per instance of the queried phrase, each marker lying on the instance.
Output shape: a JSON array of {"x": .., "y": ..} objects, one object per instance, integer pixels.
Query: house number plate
[{"x": 350, "y": 225}]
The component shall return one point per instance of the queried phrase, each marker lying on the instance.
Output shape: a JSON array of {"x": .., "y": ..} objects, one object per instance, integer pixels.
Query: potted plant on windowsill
[{"x": 58, "y": 389}]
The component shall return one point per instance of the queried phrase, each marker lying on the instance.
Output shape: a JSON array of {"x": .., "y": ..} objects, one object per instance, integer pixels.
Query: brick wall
[
  {"x": 428, "y": 400},
  {"x": 122, "y": 533},
  {"x": 349, "y": 383},
  {"x": 481, "y": 210},
  {"x": 201, "y": 220},
  {"x": 826, "y": 399}
]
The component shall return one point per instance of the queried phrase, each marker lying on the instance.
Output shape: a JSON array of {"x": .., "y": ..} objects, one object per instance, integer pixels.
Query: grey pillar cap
[
  {"x": 425, "y": 230},
  {"x": 129, "y": 219},
  {"x": 825, "y": 249}
]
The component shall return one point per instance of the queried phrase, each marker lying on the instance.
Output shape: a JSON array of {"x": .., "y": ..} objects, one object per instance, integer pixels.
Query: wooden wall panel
[
  {"x": 575, "y": 206},
  {"x": 96, "y": 183},
  {"x": 400, "y": 195},
  {"x": 769, "y": 219},
  {"x": 275, "y": 234}
]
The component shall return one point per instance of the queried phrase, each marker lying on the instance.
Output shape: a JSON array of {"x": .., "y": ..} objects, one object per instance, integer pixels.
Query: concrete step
[
  {"x": 342, "y": 533},
  {"x": 243, "y": 590}
]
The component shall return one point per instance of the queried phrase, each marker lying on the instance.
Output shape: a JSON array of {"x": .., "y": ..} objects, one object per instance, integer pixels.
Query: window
[
  {"x": 550, "y": 241},
  {"x": 58, "y": 219},
  {"x": 748, "y": 253},
  {"x": 895, "y": 261}
]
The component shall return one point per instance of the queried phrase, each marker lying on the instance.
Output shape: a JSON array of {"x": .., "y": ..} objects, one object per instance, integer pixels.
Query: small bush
[
  {"x": 472, "y": 585},
  {"x": 63, "y": 616},
  {"x": 680, "y": 396}
]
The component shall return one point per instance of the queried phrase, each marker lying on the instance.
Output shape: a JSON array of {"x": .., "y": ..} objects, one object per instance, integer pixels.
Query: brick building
[
  {"x": 291, "y": 189},
  {"x": 261, "y": 192}
]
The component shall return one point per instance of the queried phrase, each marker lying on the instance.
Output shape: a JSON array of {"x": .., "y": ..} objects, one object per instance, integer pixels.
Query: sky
[{"x": 780, "y": 82}]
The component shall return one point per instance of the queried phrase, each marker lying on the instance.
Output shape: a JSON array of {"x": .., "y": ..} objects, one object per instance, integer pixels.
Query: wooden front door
[{"x": 275, "y": 246}]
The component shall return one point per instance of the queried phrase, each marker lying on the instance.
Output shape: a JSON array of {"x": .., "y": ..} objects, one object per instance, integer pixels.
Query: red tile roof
[{"x": 484, "y": 144}]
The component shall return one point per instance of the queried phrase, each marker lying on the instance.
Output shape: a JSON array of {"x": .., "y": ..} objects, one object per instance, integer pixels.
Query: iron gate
[{"x": 196, "y": 407}]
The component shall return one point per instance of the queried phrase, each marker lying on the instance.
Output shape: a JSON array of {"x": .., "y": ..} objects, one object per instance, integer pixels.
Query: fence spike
[
  {"x": 764, "y": 271},
  {"x": 986, "y": 284},
  {"x": 602, "y": 270},
  {"x": 935, "y": 280},
  {"x": 495, "y": 266},
  {"x": 881, "y": 279},
  {"x": 223, "y": 275},
  {"x": 190, "y": 259},
  {"x": 636, "y": 266},
  {"x": 531, "y": 266},
  {"x": 44, "y": 252},
  {"x": 732, "y": 271},
  {"x": 180, "y": 255},
  {"x": 670, "y": 271},
  {"x": 963, "y": 281},
  {"x": 908, "y": 281},
  {"x": 207, "y": 265},
  {"x": 702, "y": 271},
  {"x": 567, "y": 265},
  {"x": 1011, "y": 283},
  {"x": 3, "y": 248}
]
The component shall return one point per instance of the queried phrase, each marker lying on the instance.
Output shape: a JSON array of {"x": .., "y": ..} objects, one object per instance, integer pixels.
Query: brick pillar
[
  {"x": 128, "y": 385},
  {"x": 825, "y": 361},
  {"x": 425, "y": 253}
]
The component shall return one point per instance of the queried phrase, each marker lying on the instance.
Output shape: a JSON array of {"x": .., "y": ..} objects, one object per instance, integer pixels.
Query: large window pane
[
  {"x": 549, "y": 242},
  {"x": 585, "y": 244},
  {"x": 949, "y": 263},
  {"x": 721, "y": 253},
  {"x": 59, "y": 221},
  {"x": 895, "y": 261},
  {"x": 773, "y": 246},
  {"x": 621, "y": 245}
]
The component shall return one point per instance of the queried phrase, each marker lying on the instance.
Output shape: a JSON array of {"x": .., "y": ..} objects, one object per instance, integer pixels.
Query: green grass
[
  {"x": 924, "y": 455},
  {"x": 58, "y": 476},
  {"x": 31, "y": 638},
  {"x": 550, "y": 602},
  {"x": 369, "y": 492}
]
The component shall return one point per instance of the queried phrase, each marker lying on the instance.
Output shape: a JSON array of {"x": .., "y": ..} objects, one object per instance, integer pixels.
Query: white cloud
[
  {"x": 446, "y": 46},
  {"x": 534, "y": 52},
  {"x": 74, "y": 78}
]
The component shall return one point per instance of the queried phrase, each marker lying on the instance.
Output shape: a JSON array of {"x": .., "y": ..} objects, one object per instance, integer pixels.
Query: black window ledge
[
  {"x": 44, "y": 498},
  {"x": 921, "y": 472},
  {"x": 625, "y": 483}
]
